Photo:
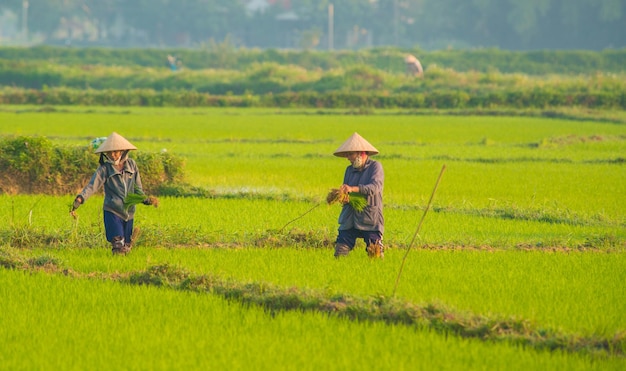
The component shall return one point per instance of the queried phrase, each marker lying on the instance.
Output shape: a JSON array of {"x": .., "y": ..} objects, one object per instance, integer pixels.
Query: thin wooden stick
[{"x": 418, "y": 229}]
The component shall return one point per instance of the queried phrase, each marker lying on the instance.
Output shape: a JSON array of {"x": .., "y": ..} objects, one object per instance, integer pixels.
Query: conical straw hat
[
  {"x": 115, "y": 142},
  {"x": 355, "y": 143}
]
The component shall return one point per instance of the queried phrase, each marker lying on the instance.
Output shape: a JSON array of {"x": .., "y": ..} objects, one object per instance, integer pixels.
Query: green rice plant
[
  {"x": 537, "y": 286},
  {"x": 246, "y": 219},
  {"x": 147, "y": 327},
  {"x": 243, "y": 220}
]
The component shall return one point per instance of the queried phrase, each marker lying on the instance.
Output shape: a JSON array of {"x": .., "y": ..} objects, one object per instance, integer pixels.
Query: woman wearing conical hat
[
  {"x": 119, "y": 176},
  {"x": 364, "y": 176}
]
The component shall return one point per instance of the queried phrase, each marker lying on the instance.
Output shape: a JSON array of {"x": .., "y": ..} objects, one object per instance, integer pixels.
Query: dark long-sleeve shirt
[{"x": 370, "y": 180}]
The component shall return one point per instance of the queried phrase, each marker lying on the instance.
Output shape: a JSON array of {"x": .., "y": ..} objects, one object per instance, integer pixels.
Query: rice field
[
  {"x": 78, "y": 324},
  {"x": 527, "y": 225}
]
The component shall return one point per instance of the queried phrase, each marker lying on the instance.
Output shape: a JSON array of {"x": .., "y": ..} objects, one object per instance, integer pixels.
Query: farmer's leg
[
  {"x": 346, "y": 239},
  {"x": 128, "y": 231},
  {"x": 113, "y": 226},
  {"x": 115, "y": 231}
]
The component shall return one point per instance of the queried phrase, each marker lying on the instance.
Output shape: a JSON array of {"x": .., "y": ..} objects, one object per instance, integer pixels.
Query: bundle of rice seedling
[
  {"x": 356, "y": 200},
  {"x": 335, "y": 195},
  {"x": 133, "y": 199}
]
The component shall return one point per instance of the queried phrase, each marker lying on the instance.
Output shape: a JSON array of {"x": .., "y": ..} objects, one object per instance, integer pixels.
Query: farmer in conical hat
[
  {"x": 119, "y": 177},
  {"x": 413, "y": 66},
  {"x": 364, "y": 176}
]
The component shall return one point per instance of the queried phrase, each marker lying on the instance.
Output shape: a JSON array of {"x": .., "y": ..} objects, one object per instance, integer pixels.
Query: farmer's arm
[
  {"x": 96, "y": 182},
  {"x": 94, "y": 185},
  {"x": 138, "y": 188}
]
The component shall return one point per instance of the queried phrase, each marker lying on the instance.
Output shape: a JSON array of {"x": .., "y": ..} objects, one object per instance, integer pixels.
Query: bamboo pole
[{"x": 432, "y": 195}]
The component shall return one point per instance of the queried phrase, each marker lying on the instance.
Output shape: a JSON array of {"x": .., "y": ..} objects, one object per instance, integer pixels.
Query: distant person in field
[
  {"x": 364, "y": 176},
  {"x": 172, "y": 63},
  {"x": 413, "y": 66},
  {"x": 119, "y": 176}
]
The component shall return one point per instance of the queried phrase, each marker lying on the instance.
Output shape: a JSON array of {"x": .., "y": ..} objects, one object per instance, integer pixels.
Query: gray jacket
[
  {"x": 117, "y": 185},
  {"x": 370, "y": 180}
]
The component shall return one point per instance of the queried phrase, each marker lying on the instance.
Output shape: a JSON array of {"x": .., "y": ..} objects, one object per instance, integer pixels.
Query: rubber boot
[{"x": 341, "y": 250}]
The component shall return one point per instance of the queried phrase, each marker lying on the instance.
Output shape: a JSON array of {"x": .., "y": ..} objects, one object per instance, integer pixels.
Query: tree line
[{"x": 325, "y": 24}]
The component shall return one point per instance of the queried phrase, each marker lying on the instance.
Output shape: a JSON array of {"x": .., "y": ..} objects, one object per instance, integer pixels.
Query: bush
[
  {"x": 36, "y": 165},
  {"x": 438, "y": 98}
]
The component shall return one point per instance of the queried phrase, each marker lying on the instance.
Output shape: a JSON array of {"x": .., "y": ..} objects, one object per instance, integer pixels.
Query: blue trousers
[
  {"x": 116, "y": 226},
  {"x": 348, "y": 237}
]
